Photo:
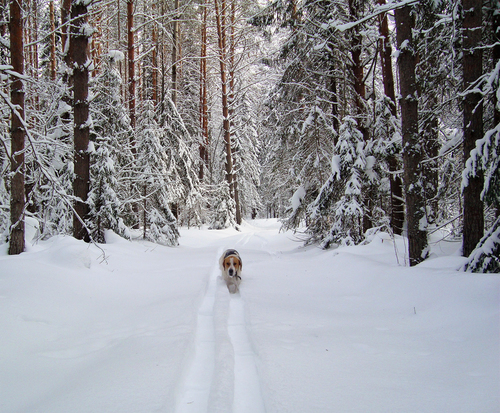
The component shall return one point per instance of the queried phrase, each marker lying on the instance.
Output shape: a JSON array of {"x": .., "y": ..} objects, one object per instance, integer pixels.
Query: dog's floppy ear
[{"x": 240, "y": 263}]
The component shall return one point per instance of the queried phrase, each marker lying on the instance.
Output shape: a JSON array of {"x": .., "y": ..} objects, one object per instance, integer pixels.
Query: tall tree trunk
[
  {"x": 154, "y": 69},
  {"x": 175, "y": 50},
  {"x": 131, "y": 88},
  {"x": 52, "y": 41},
  {"x": 396, "y": 184},
  {"x": 65, "y": 30},
  {"x": 203, "y": 95},
  {"x": 232, "y": 53},
  {"x": 96, "y": 49},
  {"x": 412, "y": 152},
  {"x": 355, "y": 9},
  {"x": 17, "y": 133},
  {"x": 79, "y": 48},
  {"x": 473, "y": 122},
  {"x": 220, "y": 13},
  {"x": 131, "y": 65}
]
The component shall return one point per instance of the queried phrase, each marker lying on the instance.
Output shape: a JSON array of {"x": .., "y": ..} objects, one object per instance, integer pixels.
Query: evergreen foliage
[
  {"x": 222, "y": 213},
  {"x": 314, "y": 139},
  {"x": 152, "y": 181},
  {"x": 486, "y": 257},
  {"x": 110, "y": 132}
]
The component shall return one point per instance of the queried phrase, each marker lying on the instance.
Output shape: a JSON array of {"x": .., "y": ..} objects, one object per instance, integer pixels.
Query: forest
[{"x": 339, "y": 117}]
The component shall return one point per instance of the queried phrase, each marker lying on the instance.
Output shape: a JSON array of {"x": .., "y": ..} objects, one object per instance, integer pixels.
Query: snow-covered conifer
[
  {"x": 179, "y": 148},
  {"x": 350, "y": 165},
  {"x": 246, "y": 152},
  {"x": 486, "y": 256},
  {"x": 222, "y": 213},
  {"x": 110, "y": 136},
  {"x": 154, "y": 183}
]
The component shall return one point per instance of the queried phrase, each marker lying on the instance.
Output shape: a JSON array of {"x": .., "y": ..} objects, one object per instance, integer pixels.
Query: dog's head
[{"x": 232, "y": 264}]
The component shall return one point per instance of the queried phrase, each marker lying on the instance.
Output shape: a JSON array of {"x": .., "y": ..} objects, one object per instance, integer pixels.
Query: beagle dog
[{"x": 231, "y": 265}]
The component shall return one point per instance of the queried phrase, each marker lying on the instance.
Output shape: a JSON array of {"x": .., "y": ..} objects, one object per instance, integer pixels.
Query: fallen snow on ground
[{"x": 137, "y": 327}]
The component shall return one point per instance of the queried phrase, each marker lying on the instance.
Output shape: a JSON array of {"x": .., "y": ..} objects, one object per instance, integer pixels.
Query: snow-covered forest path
[
  {"x": 152, "y": 329},
  {"x": 221, "y": 374}
]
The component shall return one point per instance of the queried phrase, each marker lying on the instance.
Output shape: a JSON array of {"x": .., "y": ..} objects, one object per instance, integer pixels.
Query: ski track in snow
[
  {"x": 196, "y": 387},
  {"x": 198, "y": 391},
  {"x": 247, "y": 393}
]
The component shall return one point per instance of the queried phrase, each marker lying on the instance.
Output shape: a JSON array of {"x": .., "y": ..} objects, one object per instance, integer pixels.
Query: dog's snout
[{"x": 231, "y": 272}]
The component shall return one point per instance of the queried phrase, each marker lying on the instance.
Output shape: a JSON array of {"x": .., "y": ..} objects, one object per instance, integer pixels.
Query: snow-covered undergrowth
[{"x": 148, "y": 328}]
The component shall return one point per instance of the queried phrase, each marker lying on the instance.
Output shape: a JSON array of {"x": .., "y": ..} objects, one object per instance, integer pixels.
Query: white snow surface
[{"x": 147, "y": 328}]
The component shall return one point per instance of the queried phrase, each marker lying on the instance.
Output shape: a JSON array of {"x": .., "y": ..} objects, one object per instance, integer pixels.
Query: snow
[
  {"x": 336, "y": 165},
  {"x": 145, "y": 328},
  {"x": 298, "y": 197},
  {"x": 116, "y": 55}
]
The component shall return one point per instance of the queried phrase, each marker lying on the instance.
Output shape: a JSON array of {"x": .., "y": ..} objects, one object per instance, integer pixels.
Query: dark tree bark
[
  {"x": 412, "y": 147},
  {"x": 154, "y": 57},
  {"x": 131, "y": 89},
  {"x": 79, "y": 49},
  {"x": 396, "y": 184},
  {"x": 355, "y": 8},
  {"x": 17, "y": 134},
  {"x": 52, "y": 41},
  {"x": 203, "y": 95},
  {"x": 175, "y": 51},
  {"x": 473, "y": 122}
]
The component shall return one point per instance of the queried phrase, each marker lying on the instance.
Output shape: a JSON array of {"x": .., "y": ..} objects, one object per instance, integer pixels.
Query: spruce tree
[{"x": 110, "y": 136}]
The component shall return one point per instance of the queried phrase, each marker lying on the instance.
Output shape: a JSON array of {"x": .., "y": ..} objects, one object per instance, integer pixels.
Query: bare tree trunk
[
  {"x": 412, "y": 155},
  {"x": 355, "y": 6},
  {"x": 79, "y": 49},
  {"x": 473, "y": 122},
  {"x": 65, "y": 30},
  {"x": 154, "y": 69},
  {"x": 175, "y": 49},
  {"x": 131, "y": 88},
  {"x": 52, "y": 41},
  {"x": 396, "y": 184},
  {"x": 232, "y": 52},
  {"x": 17, "y": 200},
  {"x": 203, "y": 95},
  {"x": 221, "y": 32},
  {"x": 96, "y": 49}
]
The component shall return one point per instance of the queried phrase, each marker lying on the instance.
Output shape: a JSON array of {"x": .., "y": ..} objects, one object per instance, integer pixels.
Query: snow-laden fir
[{"x": 133, "y": 326}]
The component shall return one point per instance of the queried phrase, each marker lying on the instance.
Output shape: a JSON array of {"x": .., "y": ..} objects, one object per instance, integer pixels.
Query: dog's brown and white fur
[{"x": 231, "y": 265}]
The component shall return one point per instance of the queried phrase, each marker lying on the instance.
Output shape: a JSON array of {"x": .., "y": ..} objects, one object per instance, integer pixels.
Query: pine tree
[
  {"x": 17, "y": 199},
  {"x": 349, "y": 167},
  {"x": 159, "y": 224},
  {"x": 79, "y": 49},
  {"x": 412, "y": 147},
  {"x": 222, "y": 213},
  {"x": 485, "y": 258},
  {"x": 246, "y": 155},
  {"x": 110, "y": 136},
  {"x": 179, "y": 148},
  {"x": 473, "y": 123}
]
